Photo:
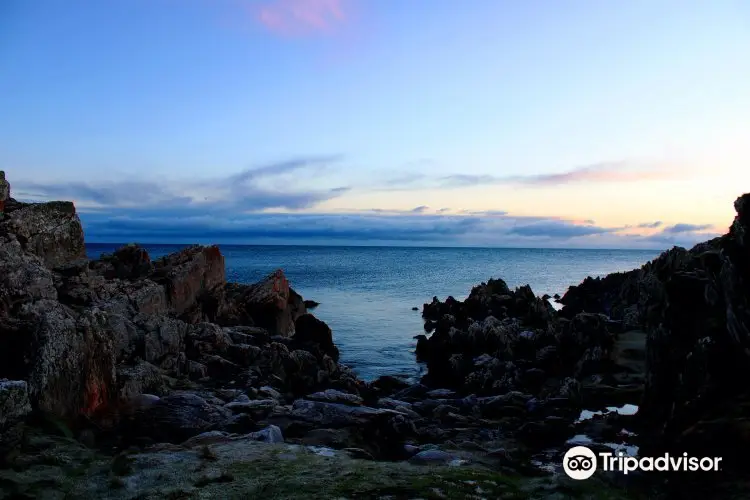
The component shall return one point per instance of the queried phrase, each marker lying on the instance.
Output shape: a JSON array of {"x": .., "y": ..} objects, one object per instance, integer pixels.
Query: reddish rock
[
  {"x": 68, "y": 361},
  {"x": 188, "y": 277},
  {"x": 270, "y": 304}
]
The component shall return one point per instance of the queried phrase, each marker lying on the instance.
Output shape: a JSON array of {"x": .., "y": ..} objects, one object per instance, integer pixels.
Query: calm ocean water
[{"x": 366, "y": 294}]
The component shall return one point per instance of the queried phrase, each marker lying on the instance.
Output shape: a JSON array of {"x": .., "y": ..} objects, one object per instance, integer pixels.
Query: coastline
[{"x": 164, "y": 359}]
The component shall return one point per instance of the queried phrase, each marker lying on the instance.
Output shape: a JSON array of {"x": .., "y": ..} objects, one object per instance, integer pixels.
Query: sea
[{"x": 366, "y": 294}]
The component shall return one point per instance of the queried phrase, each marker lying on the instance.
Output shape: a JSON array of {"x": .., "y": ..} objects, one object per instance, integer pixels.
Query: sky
[{"x": 574, "y": 124}]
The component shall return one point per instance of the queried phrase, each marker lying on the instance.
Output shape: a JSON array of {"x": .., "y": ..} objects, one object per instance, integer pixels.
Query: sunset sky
[{"x": 411, "y": 122}]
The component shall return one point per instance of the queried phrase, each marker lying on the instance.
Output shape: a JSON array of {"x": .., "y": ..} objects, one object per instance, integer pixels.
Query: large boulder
[
  {"x": 191, "y": 277},
  {"x": 51, "y": 231},
  {"x": 127, "y": 262},
  {"x": 315, "y": 336},
  {"x": 22, "y": 276},
  {"x": 67, "y": 359},
  {"x": 176, "y": 418},
  {"x": 271, "y": 304}
]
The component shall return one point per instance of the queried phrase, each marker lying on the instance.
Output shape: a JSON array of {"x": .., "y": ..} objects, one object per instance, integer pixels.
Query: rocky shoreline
[{"x": 120, "y": 366}]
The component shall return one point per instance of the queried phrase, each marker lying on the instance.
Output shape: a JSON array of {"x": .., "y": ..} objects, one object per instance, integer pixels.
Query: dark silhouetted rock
[{"x": 313, "y": 334}]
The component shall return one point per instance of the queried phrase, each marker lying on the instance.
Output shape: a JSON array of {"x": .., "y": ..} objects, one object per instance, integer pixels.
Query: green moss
[{"x": 256, "y": 470}]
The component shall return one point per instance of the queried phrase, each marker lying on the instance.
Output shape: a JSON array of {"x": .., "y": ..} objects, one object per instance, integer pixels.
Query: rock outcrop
[
  {"x": 694, "y": 306},
  {"x": 88, "y": 337},
  {"x": 4, "y": 192},
  {"x": 271, "y": 304},
  {"x": 141, "y": 352}
]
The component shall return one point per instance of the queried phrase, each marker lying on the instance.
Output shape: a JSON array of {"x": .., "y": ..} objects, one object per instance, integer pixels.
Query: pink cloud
[
  {"x": 604, "y": 172},
  {"x": 302, "y": 17}
]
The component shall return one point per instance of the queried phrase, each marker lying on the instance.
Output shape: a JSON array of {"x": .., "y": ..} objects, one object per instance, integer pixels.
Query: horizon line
[{"x": 383, "y": 246}]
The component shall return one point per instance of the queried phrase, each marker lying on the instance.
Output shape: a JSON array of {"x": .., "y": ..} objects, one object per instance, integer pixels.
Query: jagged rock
[
  {"x": 313, "y": 334},
  {"x": 22, "y": 276},
  {"x": 4, "y": 192},
  {"x": 143, "y": 377},
  {"x": 159, "y": 337},
  {"x": 270, "y": 304},
  {"x": 191, "y": 277},
  {"x": 68, "y": 360},
  {"x": 51, "y": 231}
]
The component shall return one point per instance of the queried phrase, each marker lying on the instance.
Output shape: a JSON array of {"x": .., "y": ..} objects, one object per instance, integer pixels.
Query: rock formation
[{"x": 137, "y": 352}]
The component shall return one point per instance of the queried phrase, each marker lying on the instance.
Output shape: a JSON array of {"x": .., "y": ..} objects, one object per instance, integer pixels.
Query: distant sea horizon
[
  {"x": 116, "y": 244},
  {"x": 366, "y": 293}
]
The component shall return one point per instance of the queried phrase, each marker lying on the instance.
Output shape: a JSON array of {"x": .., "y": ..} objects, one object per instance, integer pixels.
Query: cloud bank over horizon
[{"x": 269, "y": 205}]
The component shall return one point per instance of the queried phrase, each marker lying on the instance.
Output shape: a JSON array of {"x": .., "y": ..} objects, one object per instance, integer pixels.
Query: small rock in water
[{"x": 415, "y": 309}]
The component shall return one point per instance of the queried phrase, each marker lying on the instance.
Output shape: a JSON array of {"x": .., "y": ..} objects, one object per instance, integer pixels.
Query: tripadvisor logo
[{"x": 580, "y": 463}]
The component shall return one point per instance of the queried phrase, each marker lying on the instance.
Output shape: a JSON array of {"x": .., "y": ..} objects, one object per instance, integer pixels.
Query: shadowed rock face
[
  {"x": 86, "y": 336},
  {"x": 4, "y": 191},
  {"x": 695, "y": 307}
]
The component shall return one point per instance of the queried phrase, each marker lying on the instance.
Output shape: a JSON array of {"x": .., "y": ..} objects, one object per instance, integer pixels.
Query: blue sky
[{"x": 488, "y": 122}]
